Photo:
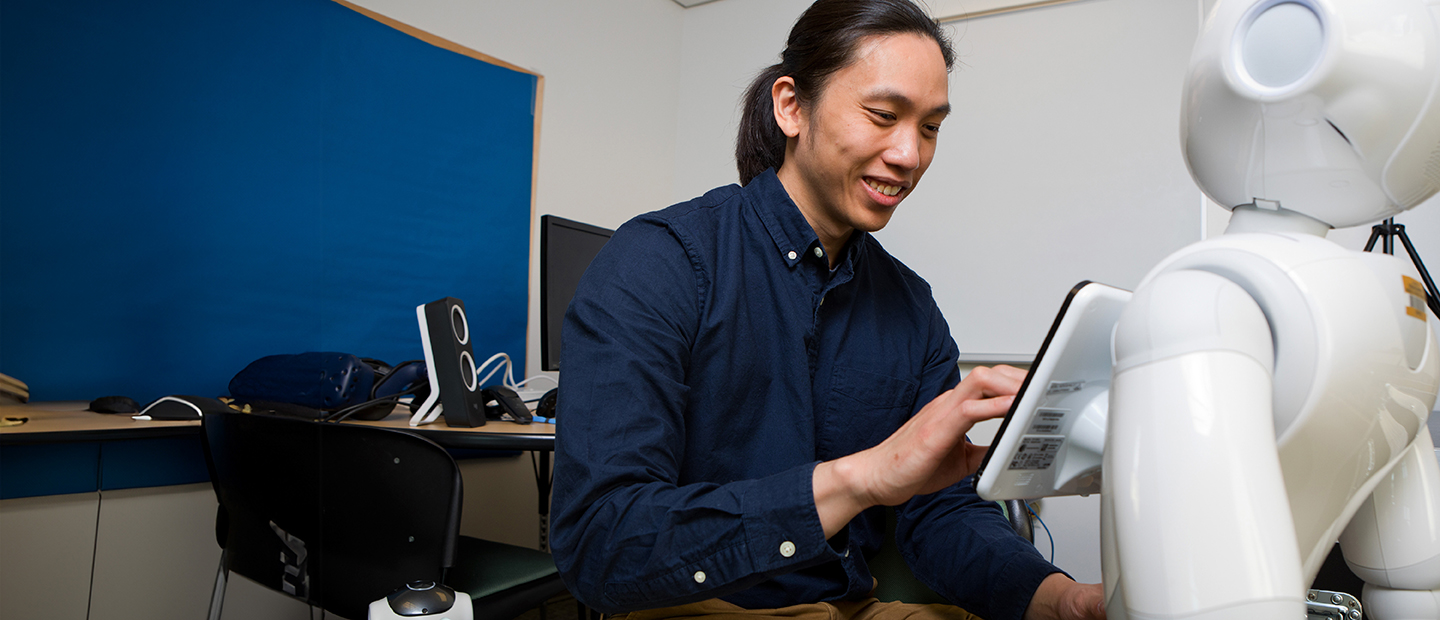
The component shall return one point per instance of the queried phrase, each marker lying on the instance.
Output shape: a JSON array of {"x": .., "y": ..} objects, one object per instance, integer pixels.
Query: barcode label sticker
[
  {"x": 1060, "y": 387},
  {"x": 1048, "y": 421},
  {"x": 1036, "y": 453},
  {"x": 1417, "y": 298}
]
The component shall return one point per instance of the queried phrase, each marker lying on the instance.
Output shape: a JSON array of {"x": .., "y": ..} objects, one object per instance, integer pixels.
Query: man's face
[{"x": 865, "y": 142}]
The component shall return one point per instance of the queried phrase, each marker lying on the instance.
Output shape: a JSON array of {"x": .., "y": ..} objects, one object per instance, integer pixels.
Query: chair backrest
[
  {"x": 895, "y": 581},
  {"x": 333, "y": 514}
]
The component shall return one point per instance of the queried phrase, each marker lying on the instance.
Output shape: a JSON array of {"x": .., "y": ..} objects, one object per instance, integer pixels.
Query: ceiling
[{"x": 951, "y": 10}]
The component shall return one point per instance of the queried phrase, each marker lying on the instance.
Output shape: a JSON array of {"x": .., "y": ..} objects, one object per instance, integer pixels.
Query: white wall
[
  {"x": 725, "y": 44},
  {"x": 607, "y": 136}
]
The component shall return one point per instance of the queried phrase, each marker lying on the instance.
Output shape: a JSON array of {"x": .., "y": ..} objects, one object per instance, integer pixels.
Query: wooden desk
[
  {"x": 493, "y": 436},
  {"x": 103, "y": 512},
  {"x": 67, "y": 421},
  {"x": 151, "y": 547}
]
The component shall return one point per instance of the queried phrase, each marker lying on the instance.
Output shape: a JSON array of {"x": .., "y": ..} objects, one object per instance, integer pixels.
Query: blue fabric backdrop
[{"x": 188, "y": 186}]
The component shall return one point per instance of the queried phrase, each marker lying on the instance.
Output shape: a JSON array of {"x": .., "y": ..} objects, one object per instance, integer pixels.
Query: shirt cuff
[
  {"x": 1024, "y": 573},
  {"x": 782, "y": 525}
]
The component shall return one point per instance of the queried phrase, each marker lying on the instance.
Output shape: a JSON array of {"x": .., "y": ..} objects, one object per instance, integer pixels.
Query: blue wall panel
[
  {"x": 29, "y": 470},
  {"x": 188, "y": 186},
  {"x": 141, "y": 463}
]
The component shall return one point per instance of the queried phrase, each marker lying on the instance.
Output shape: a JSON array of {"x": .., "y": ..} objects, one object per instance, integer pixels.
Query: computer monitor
[{"x": 566, "y": 249}]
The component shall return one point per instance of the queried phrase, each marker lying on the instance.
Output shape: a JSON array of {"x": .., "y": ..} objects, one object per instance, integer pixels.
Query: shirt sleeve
[
  {"x": 627, "y": 534},
  {"x": 958, "y": 544}
]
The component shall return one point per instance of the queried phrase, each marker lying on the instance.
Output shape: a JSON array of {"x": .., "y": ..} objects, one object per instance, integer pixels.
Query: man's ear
[{"x": 787, "y": 106}]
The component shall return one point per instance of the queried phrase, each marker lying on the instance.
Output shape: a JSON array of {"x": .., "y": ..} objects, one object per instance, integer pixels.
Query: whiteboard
[{"x": 1061, "y": 162}]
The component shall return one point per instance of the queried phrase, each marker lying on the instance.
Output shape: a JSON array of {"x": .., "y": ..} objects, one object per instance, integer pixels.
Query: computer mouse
[
  {"x": 180, "y": 407},
  {"x": 114, "y": 404},
  {"x": 502, "y": 403},
  {"x": 546, "y": 406}
]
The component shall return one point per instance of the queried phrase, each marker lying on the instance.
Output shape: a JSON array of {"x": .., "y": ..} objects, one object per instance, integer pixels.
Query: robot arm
[{"x": 1192, "y": 474}]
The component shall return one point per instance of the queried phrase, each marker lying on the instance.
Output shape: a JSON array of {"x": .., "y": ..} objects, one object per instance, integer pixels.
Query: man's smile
[{"x": 883, "y": 188}]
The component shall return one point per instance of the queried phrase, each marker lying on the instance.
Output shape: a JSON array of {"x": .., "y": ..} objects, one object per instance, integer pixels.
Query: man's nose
[{"x": 903, "y": 150}]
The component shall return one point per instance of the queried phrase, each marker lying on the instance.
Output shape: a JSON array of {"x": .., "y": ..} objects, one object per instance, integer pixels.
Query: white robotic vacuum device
[{"x": 423, "y": 600}]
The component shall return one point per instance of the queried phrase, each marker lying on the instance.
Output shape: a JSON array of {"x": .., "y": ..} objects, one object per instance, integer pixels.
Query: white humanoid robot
[{"x": 1271, "y": 389}]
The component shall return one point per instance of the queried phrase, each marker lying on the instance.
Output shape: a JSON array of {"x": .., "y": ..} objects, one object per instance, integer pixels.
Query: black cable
[
  {"x": 380, "y": 381},
  {"x": 340, "y": 415}
]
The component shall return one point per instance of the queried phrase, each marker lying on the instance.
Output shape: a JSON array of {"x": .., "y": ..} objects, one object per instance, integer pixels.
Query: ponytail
[{"x": 761, "y": 144}]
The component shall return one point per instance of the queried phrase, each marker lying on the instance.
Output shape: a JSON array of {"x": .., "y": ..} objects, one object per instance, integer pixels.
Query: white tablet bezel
[{"x": 1053, "y": 439}]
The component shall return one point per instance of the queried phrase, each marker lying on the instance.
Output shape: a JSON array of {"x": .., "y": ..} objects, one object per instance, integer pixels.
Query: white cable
[
  {"x": 508, "y": 379},
  {"x": 545, "y": 377},
  {"x": 504, "y": 363}
]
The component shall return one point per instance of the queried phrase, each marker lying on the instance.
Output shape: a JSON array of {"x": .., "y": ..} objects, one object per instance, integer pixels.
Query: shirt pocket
[{"x": 863, "y": 409}]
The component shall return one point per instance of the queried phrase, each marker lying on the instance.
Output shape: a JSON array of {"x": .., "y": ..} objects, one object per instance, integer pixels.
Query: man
[{"x": 748, "y": 375}]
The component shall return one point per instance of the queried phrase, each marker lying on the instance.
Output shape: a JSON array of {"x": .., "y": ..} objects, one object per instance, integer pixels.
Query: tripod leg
[
  {"x": 1374, "y": 234},
  {"x": 1432, "y": 297}
]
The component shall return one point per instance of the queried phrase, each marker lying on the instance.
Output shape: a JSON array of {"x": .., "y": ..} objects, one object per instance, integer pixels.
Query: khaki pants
[{"x": 871, "y": 609}]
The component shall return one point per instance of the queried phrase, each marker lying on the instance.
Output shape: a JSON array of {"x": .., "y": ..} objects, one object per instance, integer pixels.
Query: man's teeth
[{"x": 888, "y": 190}]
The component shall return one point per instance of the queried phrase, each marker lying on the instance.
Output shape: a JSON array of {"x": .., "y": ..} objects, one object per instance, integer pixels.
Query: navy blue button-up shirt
[{"x": 711, "y": 359}]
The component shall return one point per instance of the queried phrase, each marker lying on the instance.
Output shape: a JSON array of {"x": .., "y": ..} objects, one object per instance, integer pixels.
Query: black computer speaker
[{"x": 450, "y": 362}]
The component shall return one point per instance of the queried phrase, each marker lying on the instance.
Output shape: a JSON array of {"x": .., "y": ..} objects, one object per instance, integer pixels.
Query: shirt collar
[{"x": 794, "y": 239}]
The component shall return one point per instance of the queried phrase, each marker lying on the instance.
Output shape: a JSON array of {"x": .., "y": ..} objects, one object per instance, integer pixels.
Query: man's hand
[
  {"x": 1060, "y": 598},
  {"x": 925, "y": 455}
]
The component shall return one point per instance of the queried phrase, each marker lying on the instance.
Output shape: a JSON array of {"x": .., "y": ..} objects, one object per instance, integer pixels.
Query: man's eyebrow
[{"x": 898, "y": 98}]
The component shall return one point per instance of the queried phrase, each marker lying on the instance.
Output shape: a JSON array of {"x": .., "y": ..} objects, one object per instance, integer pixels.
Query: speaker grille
[
  {"x": 460, "y": 326},
  {"x": 467, "y": 371}
]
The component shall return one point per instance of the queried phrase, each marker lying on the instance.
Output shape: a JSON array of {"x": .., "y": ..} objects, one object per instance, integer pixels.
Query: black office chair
[
  {"x": 895, "y": 581},
  {"x": 338, "y": 515}
]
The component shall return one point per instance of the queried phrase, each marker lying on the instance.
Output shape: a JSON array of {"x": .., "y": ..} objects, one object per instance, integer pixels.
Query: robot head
[{"x": 1330, "y": 108}]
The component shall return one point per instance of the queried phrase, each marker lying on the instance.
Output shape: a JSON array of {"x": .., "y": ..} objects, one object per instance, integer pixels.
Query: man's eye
[
  {"x": 933, "y": 129},
  {"x": 883, "y": 115}
]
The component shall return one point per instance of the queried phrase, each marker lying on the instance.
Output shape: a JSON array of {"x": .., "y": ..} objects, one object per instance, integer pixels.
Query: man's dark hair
[{"x": 824, "y": 40}]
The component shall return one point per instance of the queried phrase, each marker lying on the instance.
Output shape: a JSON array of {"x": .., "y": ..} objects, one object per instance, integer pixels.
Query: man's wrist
[
  {"x": 836, "y": 498},
  {"x": 1045, "y": 604},
  {"x": 1060, "y": 598}
]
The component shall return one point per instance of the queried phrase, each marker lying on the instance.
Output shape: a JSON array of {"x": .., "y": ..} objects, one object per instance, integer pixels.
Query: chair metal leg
[{"x": 217, "y": 596}]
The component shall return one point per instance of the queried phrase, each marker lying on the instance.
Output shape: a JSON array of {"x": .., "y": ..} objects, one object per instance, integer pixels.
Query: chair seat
[{"x": 502, "y": 580}]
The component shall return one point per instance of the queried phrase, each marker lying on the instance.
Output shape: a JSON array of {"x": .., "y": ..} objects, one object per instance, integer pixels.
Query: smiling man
[
  {"x": 749, "y": 375},
  {"x": 862, "y": 147}
]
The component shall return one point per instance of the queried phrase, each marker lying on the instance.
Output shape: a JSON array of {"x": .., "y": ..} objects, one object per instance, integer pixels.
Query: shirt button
[
  {"x": 787, "y": 548},
  {"x": 699, "y": 576},
  {"x": 819, "y": 253},
  {"x": 792, "y": 255}
]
